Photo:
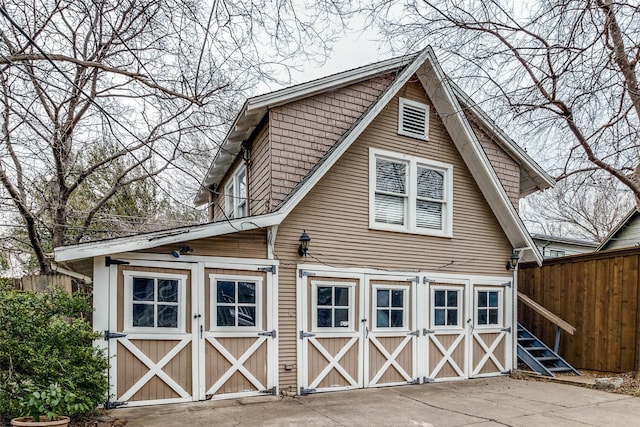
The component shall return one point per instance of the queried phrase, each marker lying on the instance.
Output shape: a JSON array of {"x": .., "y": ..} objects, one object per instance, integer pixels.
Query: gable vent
[{"x": 413, "y": 119}]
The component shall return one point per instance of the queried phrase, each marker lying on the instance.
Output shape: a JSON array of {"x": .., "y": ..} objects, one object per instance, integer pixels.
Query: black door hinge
[
  {"x": 108, "y": 261},
  {"x": 272, "y": 269},
  {"x": 305, "y": 391},
  {"x": 111, "y": 335},
  {"x": 113, "y": 405},
  {"x": 271, "y": 390},
  {"x": 271, "y": 334},
  {"x": 304, "y": 334}
]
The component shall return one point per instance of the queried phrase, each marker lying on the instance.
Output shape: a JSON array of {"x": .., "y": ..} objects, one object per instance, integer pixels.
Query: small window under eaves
[{"x": 413, "y": 119}]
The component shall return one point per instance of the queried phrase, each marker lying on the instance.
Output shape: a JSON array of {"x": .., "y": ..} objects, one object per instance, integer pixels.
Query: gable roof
[
  {"x": 621, "y": 225},
  {"x": 439, "y": 90}
]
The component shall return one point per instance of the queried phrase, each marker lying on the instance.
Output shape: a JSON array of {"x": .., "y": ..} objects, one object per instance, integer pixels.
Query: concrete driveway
[{"x": 485, "y": 402}]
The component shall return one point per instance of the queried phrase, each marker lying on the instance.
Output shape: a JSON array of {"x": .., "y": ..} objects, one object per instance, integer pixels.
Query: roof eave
[{"x": 165, "y": 237}]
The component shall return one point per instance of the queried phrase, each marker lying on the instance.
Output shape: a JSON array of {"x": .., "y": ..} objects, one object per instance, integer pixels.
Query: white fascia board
[
  {"x": 439, "y": 91},
  {"x": 324, "y": 84},
  {"x": 514, "y": 149},
  {"x": 354, "y": 133},
  {"x": 166, "y": 237}
]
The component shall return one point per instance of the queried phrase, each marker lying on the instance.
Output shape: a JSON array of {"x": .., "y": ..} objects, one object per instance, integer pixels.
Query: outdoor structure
[
  {"x": 363, "y": 226},
  {"x": 555, "y": 246},
  {"x": 624, "y": 235},
  {"x": 598, "y": 293}
]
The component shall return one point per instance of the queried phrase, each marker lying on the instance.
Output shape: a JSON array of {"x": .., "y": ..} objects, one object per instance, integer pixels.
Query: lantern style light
[
  {"x": 513, "y": 261},
  {"x": 304, "y": 243}
]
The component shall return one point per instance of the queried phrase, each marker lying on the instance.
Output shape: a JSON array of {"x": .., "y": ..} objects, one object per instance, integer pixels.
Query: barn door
[
  {"x": 447, "y": 331},
  {"x": 330, "y": 334},
  {"x": 390, "y": 331},
  {"x": 239, "y": 335},
  {"x": 490, "y": 339},
  {"x": 151, "y": 336}
]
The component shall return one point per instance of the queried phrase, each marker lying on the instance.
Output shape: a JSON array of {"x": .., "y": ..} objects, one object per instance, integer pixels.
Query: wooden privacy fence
[
  {"x": 40, "y": 282},
  {"x": 598, "y": 293}
]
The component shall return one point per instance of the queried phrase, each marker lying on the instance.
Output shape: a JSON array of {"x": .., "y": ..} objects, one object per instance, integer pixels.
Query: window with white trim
[
  {"x": 155, "y": 302},
  {"x": 236, "y": 302},
  {"x": 390, "y": 306},
  {"x": 410, "y": 194},
  {"x": 413, "y": 119},
  {"x": 488, "y": 307},
  {"x": 235, "y": 194},
  {"x": 446, "y": 307},
  {"x": 333, "y": 305}
]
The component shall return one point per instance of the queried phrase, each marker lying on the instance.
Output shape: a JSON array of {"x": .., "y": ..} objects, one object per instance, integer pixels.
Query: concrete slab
[{"x": 483, "y": 403}]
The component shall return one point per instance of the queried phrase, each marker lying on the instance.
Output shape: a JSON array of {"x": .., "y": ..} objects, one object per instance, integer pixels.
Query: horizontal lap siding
[
  {"x": 303, "y": 131},
  {"x": 596, "y": 293},
  {"x": 245, "y": 244},
  {"x": 259, "y": 173},
  {"x": 335, "y": 213}
]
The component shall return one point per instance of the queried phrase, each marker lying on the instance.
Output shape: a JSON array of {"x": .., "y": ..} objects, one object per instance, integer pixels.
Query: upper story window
[
  {"x": 235, "y": 194},
  {"x": 409, "y": 194},
  {"x": 413, "y": 119}
]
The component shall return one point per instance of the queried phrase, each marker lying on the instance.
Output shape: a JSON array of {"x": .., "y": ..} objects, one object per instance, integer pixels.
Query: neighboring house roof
[
  {"x": 446, "y": 103},
  {"x": 631, "y": 216},
  {"x": 565, "y": 240}
]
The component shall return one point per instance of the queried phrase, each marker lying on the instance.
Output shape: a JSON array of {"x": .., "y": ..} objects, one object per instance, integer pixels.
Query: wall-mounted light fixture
[
  {"x": 513, "y": 261},
  {"x": 184, "y": 250},
  {"x": 304, "y": 243}
]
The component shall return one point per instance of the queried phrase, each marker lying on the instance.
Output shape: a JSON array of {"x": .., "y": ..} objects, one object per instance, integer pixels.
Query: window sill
[{"x": 401, "y": 229}]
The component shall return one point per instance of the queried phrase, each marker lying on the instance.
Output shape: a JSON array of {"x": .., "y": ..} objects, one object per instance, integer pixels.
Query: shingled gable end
[{"x": 404, "y": 280}]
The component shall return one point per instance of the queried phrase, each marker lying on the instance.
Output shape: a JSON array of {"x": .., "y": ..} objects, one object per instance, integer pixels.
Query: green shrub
[{"x": 44, "y": 341}]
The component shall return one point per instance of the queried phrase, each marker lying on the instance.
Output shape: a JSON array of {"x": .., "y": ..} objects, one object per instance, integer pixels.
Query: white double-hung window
[
  {"x": 235, "y": 194},
  {"x": 409, "y": 194}
]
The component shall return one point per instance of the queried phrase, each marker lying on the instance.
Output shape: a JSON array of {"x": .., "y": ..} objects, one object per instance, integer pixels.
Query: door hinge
[
  {"x": 414, "y": 279},
  {"x": 427, "y": 380},
  {"x": 271, "y": 334},
  {"x": 273, "y": 390},
  {"x": 426, "y": 331},
  {"x": 272, "y": 269},
  {"x": 415, "y": 333},
  {"x": 426, "y": 280},
  {"x": 305, "y": 391},
  {"x": 507, "y": 284},
  {"x": 108, "y": 261},
  {"x": 505, "y": 372},
  {"x": 416, "y": 381},
  {"x": 113, "y": 405},
  {"x": 111, "y": 335},
  {"x": 507, "y": 329},
  {"x": 302, "y": 273},
  {"x": 304, "y": 334}
]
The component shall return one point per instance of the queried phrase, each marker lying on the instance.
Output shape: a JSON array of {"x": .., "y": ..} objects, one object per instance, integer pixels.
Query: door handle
[
  {"x": 201, "y": 331},
  {"x": 366, "y": 332}
]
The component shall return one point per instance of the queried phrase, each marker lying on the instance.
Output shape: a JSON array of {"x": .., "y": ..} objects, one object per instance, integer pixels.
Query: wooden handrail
[{"x": 570, "y": 329}]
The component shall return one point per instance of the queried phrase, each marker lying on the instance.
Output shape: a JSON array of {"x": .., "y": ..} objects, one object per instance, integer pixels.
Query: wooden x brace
[
  {"x": 155, "y": 369},
  {"x": 390, "y": 359},
  {"x": 237, "y": 365},
  {"x": 446, "y": 355},
  {"x": 488, "y": 352},
  {"x": 333, "y": 362}
]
